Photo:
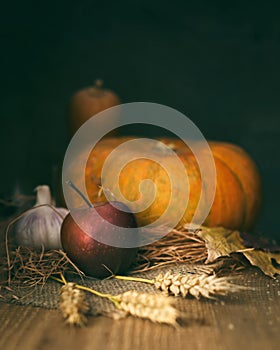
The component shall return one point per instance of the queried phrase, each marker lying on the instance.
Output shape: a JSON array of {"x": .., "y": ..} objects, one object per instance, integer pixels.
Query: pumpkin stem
[
  {"x": 75, "y": 188},
  {"x": 98, "y": 83}
]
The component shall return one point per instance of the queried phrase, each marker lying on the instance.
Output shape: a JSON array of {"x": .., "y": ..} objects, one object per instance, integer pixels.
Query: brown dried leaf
[
  {"x": 223, "y": 242},
  {"x": 264, "y": 261},
  {"x": 220, "y": 242}
]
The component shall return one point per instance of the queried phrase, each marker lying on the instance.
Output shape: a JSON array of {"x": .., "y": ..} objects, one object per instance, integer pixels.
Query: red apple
[{"x": 83, "y": 246}]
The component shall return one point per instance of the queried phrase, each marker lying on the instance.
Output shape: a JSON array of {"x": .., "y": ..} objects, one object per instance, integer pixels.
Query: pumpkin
[
  {"x": 88, "y": 102},
  {"x": 238, "y": 187}
]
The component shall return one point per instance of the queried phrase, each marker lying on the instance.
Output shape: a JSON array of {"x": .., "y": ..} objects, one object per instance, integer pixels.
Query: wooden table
[{"x": 249, "y": 320}]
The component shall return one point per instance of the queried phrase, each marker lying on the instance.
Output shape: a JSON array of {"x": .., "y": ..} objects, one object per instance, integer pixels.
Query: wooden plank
[{"x": 250, "y": 320}]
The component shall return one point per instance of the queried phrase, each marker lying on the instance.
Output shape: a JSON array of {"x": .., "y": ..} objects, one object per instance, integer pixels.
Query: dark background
[{"x": 217, "y": 62}]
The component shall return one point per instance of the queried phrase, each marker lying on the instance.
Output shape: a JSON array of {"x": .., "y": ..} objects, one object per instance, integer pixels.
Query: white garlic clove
[{"x": 41, "y": 225}]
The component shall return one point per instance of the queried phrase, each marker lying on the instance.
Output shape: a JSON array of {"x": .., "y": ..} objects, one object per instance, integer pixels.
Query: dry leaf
[
  {"x": 223, "y": 242},
  {"x": 264, "y": 261},
  {"x": 220, "y": 242}
]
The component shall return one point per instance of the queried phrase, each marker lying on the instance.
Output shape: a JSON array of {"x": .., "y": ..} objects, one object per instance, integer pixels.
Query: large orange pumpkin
[{"x": 238, "y": 190}]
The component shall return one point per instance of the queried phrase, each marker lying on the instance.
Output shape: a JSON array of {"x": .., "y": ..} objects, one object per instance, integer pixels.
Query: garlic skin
[{"x": 40, "y": 226}]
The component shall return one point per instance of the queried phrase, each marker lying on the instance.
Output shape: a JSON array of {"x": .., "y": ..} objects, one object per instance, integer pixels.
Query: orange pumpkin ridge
[
  {"x": 246, "y": 172},
  {"x": 238, "y": 194}
]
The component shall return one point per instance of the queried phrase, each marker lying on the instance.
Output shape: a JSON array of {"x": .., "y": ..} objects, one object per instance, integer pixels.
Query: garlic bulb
[{"x": 41, "y": 225}]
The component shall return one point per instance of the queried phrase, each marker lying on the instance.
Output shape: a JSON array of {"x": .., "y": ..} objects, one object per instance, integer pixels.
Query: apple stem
[{"x": 75, "y": 188}]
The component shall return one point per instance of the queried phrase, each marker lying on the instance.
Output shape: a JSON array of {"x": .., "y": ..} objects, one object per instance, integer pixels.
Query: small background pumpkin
[
  {"x": 88, "y": 102},
  {"x": 238, "y": 193}
]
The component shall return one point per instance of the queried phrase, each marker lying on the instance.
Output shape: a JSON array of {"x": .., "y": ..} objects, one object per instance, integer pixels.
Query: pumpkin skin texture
[
  {"x": 237, "y": 160},
  {"x": 88, "y": 102},
  {"x": 238, "y": 187}
]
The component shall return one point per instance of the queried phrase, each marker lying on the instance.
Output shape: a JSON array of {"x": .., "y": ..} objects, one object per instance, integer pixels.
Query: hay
[
  {"x": 30, "y": 266},
  {"x": 178, "y": 246},
  {"x": 25, "y": 268}
]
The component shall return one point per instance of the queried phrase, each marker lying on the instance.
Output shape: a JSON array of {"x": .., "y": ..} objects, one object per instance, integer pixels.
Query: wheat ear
[
  {"x": 157, "y": 308},
  {"x": 73, "y": 305},
  {"x": 197, "y": 285}
]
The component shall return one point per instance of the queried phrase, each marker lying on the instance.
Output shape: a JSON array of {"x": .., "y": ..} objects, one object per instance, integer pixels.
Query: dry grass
[
  {"x": 26, "y": 267},
  {"x": 178, "y": 246}
]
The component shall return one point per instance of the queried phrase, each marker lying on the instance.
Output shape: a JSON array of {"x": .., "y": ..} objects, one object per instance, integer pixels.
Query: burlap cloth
[{"x": 47, "y": 295}]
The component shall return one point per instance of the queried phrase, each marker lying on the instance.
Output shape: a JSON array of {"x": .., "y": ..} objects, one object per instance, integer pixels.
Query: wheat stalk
[
  {"x": 157, "y": 308},
  {"x": 197, "y": 285},
  {"x": 73, "y": 305}
]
